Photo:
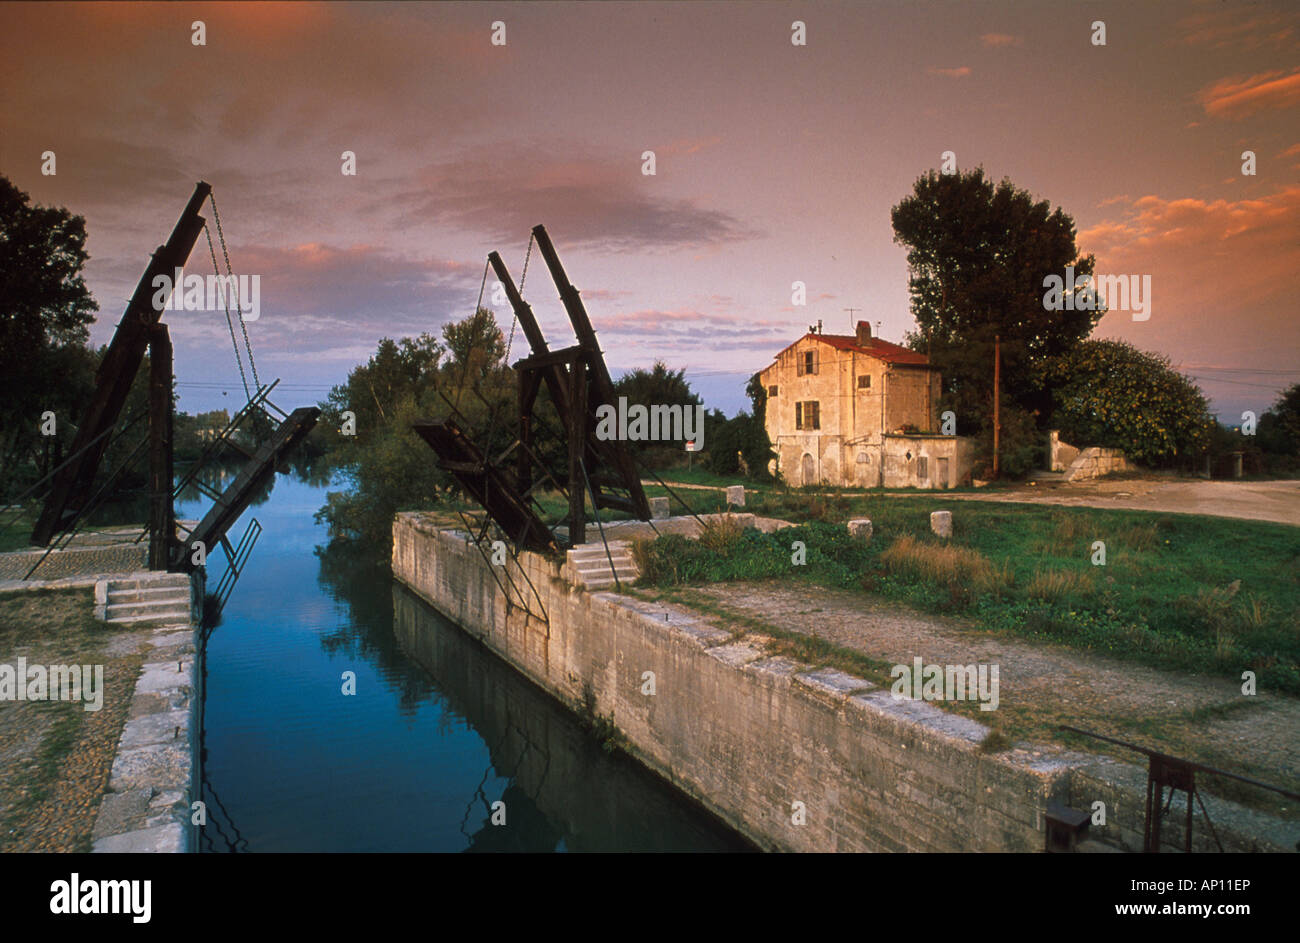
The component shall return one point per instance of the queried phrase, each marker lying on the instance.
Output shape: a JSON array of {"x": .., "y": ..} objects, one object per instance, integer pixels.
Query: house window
[
  {"x": 864, "y": 382},
  {"x": 807, "y": 362},
  {"x": 807, "y": 415},
  {"x": 771, "y": 392}
]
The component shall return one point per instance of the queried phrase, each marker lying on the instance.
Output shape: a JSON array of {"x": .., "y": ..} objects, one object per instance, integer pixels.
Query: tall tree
[
  {"x": 977, "y": 255},
  {"x": 45, "y": 312}
]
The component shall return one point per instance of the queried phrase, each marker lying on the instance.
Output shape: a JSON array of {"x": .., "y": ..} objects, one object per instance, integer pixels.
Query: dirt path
[
  {"x": 1277, "y": 501},
  {"x": 1042, "y": 685}
]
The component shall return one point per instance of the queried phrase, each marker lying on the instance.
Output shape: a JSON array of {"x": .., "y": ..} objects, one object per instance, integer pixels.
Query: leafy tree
[
  {"x": 1111, "y": 394},
  {"x": 977, "y": 256},
  {"x": 659, "y": 386},
  {"x": 45, "y": 311},
  {"x": 1279, "y": 426},
  {"x": 390, "y": 467},
  {"x": 730, "y": 440},
  {"x": 476, "y": 345}
]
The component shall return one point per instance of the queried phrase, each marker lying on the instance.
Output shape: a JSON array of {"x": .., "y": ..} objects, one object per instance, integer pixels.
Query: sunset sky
[{"x": 775, "y": 163}]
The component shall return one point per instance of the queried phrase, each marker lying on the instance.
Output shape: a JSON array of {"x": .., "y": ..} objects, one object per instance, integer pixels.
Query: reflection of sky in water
[{"x": 415, "y": 759}]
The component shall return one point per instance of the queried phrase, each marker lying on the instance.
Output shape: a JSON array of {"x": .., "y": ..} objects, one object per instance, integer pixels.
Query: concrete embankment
[{"x": 793, "y": 757}]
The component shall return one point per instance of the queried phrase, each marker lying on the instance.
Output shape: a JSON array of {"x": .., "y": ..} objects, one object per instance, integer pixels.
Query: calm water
[{"x": 438, "y": 730}]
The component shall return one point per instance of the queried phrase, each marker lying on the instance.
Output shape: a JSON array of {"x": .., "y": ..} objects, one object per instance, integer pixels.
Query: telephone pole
[{"x": 997, "y": 396}]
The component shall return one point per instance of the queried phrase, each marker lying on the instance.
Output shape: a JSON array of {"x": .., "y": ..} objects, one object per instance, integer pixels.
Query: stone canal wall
[
  {"x": 794, "y": 759},
  {"x": 157, "y": 770}
]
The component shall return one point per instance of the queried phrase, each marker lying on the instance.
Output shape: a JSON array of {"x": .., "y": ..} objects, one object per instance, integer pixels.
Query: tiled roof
[{"x": 881, "y": 350}]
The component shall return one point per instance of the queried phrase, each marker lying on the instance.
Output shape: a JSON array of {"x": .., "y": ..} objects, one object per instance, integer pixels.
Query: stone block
[
  {"x": 658, "y": 509},
  {"x": 736, "y": 496},
  {"x": 941, "y": 523},
  {"x": 861, "y": 529}
]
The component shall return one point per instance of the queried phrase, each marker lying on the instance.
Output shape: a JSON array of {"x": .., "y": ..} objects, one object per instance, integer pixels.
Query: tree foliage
[
  {"x": 1113, "y": 395},
  {"x": 1279, "y": 426},
  {"x": 391, "y": 468},
  {"x": 659, "y": 386},
  {"x": 45, "y": 312},
  {"x": 977, "y": 255}
]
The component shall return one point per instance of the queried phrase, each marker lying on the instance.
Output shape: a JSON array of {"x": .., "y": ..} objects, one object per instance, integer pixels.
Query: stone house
[{"x": 854, "y": 410}]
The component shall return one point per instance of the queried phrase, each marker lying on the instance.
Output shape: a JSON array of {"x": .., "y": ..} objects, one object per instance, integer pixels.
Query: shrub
[
  {"x": 967, "y": 573},
  {"x": 1055, "y": 585},
  {"x": 721, "y": 533}
]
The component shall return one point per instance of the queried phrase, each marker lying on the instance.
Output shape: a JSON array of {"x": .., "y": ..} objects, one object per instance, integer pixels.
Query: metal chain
[
  {"x": 229, "y": 271},
  {"x": 239, "y": 360},
  {"x": 464, "y": 370}
]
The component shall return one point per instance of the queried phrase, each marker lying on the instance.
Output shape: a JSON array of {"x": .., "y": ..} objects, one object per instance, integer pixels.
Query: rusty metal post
[{"x": 162, "y": 517}]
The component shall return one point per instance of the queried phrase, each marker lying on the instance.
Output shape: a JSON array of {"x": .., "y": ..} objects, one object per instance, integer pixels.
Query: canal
[{"x": 440, "y": 740}]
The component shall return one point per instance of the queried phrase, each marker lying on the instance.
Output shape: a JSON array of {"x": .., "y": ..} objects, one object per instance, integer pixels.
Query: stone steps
[
  {"x": 588, "y": 565},
  {"x": 156, "y": 599}
]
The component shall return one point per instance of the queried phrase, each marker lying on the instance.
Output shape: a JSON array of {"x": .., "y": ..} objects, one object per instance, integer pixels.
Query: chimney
[{"x": 864, "y": 333}]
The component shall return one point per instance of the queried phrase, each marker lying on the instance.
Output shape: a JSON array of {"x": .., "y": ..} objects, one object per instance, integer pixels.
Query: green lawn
[
  {"x": 16, "y": 529},
  {"x": 1202, "y": 594}
]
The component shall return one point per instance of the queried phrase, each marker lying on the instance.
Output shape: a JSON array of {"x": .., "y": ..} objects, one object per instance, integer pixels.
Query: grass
[
  {"x": 50, "y": 794},
  {"x": 1201, "y": 594},
  {"x": 16, "y": 529}
]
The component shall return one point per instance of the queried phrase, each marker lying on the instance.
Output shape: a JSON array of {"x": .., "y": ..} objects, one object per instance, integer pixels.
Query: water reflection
[
  {"x": 562, "y": 784},
  {"x": 438, "y": 731}
]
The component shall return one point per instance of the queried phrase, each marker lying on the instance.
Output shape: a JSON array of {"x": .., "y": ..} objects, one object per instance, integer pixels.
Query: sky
[{"x": 774, "y": 163}]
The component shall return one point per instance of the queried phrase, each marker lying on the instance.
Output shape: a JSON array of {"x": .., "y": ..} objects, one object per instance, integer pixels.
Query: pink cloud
[{"x": 1239, "y": 97}]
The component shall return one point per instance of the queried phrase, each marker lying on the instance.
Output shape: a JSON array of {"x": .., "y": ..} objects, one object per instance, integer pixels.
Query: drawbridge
[
  {"x": 575, "y": 462},
  {"x": 73, "y": 496}
]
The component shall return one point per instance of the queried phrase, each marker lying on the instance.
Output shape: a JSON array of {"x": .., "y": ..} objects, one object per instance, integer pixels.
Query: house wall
[
  {"x": 912, "y": 398},
  {"x": 902, "y": 465},
  {"x": 853, "y": 421}
]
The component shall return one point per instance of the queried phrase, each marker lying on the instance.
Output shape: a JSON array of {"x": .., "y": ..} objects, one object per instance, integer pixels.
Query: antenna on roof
[{"x": 852, "y": 323}]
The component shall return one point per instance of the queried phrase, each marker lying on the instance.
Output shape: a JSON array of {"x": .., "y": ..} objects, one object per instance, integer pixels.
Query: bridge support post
[{"x": 162, "y": 516}]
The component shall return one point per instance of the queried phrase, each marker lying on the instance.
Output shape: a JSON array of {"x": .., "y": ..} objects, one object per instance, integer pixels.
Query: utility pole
[{"x": 997, "y": 397}]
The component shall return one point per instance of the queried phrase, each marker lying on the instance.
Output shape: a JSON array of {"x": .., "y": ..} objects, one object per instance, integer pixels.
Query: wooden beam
[
  {"x": 162, "y": 518},
  {"x": 71, "y": 488}
]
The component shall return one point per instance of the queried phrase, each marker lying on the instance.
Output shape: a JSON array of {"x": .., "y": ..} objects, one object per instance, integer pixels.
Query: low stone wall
[
  {"x": 1095, "y": 462},
  {"x": 795, "y": 759},
  {"x": 157, "y": 769}
]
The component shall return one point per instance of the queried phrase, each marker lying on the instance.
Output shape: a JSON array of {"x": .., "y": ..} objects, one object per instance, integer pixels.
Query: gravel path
[
  {"x": 1277, "y": 501},
  {"x": 1048, "y": 683}
]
